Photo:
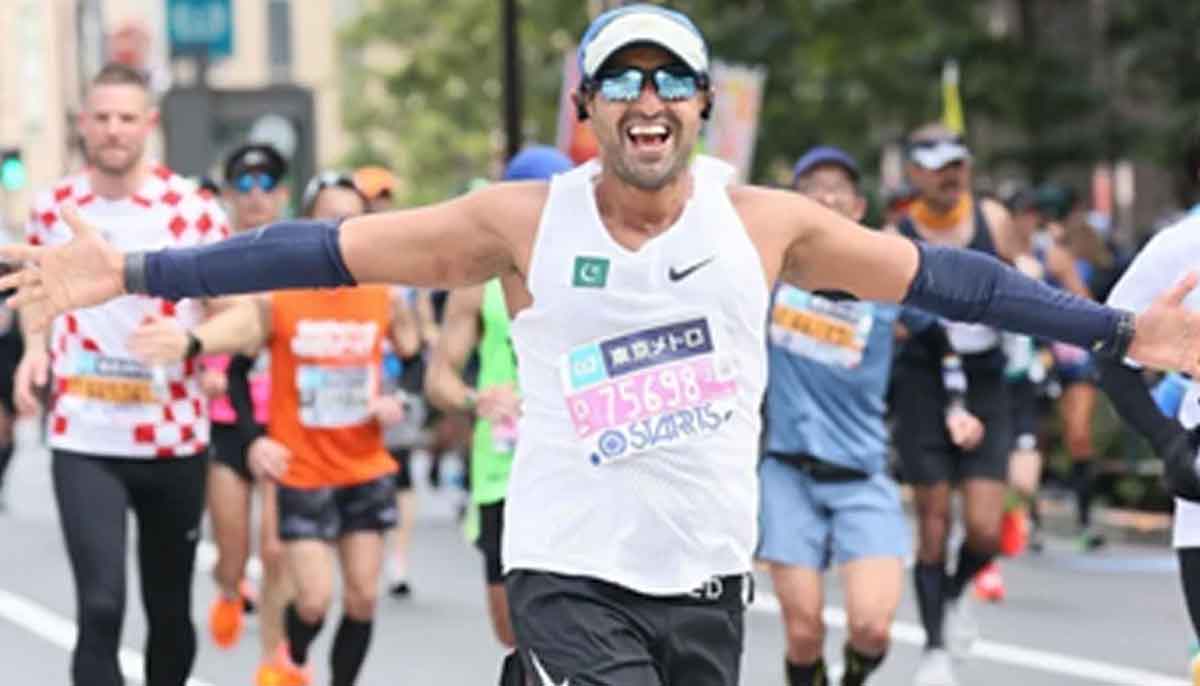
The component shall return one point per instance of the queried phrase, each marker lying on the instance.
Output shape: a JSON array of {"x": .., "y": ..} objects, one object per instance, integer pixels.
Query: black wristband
[
  {"x": 195, "y": 346},
  {"x": 1116, "y": 347},
  {"x": 134, "y": 276}
]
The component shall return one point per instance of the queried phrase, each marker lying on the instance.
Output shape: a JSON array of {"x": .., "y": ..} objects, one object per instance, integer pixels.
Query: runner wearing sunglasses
[
  {"x": 638, "y": 287},
  {"x": 947, "y": 213}
]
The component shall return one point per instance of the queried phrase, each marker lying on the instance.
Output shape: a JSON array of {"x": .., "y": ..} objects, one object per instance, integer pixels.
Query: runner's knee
[
  {"x": 805, "y": 637},
  {"x": 870, "y": 633},
  {"x": 359, "y": 600}
]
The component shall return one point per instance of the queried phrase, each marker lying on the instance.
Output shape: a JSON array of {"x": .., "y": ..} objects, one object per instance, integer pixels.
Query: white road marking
[
  {"x": 1040, "y": 660},
  {"x": 61, "y": 631}
]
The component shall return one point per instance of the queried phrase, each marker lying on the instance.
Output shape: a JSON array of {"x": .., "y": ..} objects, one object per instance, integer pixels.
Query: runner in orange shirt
[{"x": 324, "y": 443}]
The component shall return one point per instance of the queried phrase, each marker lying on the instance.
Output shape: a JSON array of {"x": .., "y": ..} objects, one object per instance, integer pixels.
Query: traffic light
[{"x": 12, "y": 169}]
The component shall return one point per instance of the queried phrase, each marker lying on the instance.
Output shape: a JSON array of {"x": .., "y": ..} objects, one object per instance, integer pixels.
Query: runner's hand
[
  {"x": 268, "y": 458},
  {"x": 1167, "y": 334},
  {"x": 498, "y": 403},
  {"x": 214, "y": 384},
  {"x": 85, "y": 271},
  {"x": 32, "y": 372},
  {"x": 159, "y": 340},
  {"x": 387, "y": 409},
  {"x": 965, "y": 429}
]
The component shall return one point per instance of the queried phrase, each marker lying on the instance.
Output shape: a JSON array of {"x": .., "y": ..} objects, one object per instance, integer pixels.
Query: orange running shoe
[
  {"x": 1014, "y": 533},
  {"x": 281, "y": 671},
  {"x": 225, "y": 621},
  {"x": 989, "y": 585}
]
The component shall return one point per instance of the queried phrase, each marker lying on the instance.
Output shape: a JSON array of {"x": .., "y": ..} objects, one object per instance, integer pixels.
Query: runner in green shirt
[{"x": 476, "y": 320}]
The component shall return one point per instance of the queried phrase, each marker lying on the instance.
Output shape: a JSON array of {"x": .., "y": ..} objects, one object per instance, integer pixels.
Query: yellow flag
[{"x": 952, "y": 109}]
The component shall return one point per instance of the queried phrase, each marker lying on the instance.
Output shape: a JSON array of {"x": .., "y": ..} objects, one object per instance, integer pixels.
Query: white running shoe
[
  {"x": 935, "y": 669},
  {"x": 961, "y": 628}
]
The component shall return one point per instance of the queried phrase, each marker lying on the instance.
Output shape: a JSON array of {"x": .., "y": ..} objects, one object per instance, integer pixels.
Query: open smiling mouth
[{"x": 649, "y": 137}]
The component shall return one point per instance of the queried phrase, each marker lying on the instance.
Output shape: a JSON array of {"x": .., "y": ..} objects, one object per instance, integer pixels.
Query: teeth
[{"x": 653, "y": 130}]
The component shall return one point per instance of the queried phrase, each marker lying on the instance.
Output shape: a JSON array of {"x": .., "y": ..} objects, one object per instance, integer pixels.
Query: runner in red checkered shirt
[{"x": 124, "y": 436}]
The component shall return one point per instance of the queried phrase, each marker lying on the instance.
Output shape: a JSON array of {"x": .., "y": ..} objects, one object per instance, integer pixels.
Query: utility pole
[{"x": 512, "y": 79}]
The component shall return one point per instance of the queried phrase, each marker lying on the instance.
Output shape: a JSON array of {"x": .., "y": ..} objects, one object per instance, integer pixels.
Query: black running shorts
[
  {"x": 491, "y": 531},
  {"x": 229, "y": 447},
  {"x": 926, "y": 454},
  {"x": 586, "y": 632},
  {"x": 331, "y": 512}
]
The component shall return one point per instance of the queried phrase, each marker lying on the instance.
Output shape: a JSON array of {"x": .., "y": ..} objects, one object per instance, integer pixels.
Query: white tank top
[{"x": 642, "y": 374}]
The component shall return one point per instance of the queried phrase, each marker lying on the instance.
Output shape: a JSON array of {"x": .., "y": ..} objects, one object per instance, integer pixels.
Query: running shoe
[
  {"x": 935, "y": 669},
  {"x": 1014, "y": 533},
  {"x": 989, "y": 584},
  {"x": 225, "y": 621},
  {"x": 1091, "y": 540},
  {"x": 961, "y": 628},
  {"x": 281, "y": 671}
]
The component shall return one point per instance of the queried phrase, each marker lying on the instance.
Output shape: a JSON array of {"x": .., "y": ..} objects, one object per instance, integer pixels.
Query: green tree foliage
[
  {"x": 440, "y": 120},
  {"x": 857, "y": 73}
]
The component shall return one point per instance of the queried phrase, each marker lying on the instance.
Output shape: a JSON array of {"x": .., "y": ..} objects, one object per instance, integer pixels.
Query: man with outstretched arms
[{"x": 638, "y": 287}]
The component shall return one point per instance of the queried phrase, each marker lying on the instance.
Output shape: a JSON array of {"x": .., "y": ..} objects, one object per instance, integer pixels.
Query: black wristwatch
[
  {"x": 194, "y": 346},
  {"x": 1117, "y": 346}
]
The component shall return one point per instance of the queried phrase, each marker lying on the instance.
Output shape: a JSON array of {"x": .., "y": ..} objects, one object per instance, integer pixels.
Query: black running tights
[
  {"x": 167, "y": 497},
  {"x": 1189, "y": 574}
]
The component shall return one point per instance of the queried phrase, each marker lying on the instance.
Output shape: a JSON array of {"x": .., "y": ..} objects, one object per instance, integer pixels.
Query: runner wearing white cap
[{"x": 638, "y": 288}]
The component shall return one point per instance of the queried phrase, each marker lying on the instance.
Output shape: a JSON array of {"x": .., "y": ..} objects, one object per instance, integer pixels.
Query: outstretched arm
[
  {"x": 826, "y": 251},
  {"x": 460, "y": 242}
]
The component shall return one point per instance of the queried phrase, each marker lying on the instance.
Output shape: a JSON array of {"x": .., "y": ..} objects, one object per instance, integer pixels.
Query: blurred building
[{"x": 49, "y": 48}]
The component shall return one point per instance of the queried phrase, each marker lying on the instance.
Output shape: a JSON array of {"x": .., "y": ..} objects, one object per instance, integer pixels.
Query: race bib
[
  {"x": 832, "y": 332},
  {"x": 969, "y": 338},
  {"x": 334, "y": 396},
  {"x": 648, "y": 389},
  {"x": 109, "y": 380}
]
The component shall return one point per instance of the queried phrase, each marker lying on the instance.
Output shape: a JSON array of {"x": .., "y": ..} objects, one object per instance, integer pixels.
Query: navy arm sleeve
[
  {"x": 970, "y": 286},
  {"x": 289, "y": 254}
]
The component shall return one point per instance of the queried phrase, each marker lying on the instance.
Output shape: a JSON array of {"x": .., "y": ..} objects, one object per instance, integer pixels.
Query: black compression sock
[
  {"x": 1081, "y": 483},
  {"x": 969, "y": 564},
  {"x": 349, "y": 650},
  {"x": 1035, "y": 511},
  {"x": 859, "y": 666},
  {"x": 930, "y": 580},
  {"x": 806, "y": 675},
  {"x": 300, "y": 634},
  {"x": 6, "y": 453}
]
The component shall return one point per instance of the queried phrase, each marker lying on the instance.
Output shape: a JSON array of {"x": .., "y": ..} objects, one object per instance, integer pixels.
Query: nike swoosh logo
[
  {"x": 684, "y": 273},
  {"x": 542, "y": 674}
]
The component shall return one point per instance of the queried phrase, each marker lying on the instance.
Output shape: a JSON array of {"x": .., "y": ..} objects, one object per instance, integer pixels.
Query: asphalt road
[{"x": 1069, "y": 619}]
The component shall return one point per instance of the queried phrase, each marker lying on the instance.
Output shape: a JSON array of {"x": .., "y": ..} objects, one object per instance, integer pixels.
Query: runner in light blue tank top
[{"x": 826, "y": 495}]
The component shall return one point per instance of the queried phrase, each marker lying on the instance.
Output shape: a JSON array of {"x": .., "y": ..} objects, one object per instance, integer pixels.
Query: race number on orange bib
[
  {"x": 109, "y": 379},
  {"x": 832, "y": 332}
]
